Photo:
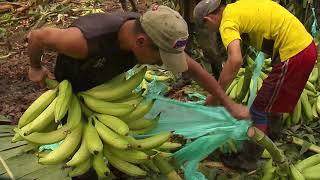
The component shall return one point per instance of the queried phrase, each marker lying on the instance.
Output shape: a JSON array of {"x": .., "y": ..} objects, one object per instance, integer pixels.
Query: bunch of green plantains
[
  {"x": 96, "y": 128},
  {"x": 307, "y": 110}
]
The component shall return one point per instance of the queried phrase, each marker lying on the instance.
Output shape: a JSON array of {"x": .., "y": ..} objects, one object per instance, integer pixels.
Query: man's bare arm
[
  {"x": 209, "y": 83},
  {"x": 66, "y": 41},
  {"x": 232, "y": 65}
]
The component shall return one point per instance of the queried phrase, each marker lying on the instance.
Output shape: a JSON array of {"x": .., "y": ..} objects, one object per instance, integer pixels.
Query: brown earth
[{"x": 17, "y": 92}]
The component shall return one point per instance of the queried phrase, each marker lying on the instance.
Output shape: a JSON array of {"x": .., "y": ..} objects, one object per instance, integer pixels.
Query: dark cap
[{"x": 204, "y": 8}]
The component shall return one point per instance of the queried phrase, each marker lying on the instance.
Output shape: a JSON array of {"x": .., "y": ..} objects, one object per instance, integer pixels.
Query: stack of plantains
[
  {"x": 96, "y": 129},
  {"x": 307, "y": 108}
]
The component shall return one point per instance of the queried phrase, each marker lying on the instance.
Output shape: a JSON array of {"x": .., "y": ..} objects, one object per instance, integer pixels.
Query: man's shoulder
[
  {"x": 112, "y": 16},
  {"x": 103, "y": 22}
]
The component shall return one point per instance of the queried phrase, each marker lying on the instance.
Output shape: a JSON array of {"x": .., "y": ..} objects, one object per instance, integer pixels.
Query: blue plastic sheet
[
  {"x": 208, "y": 128},
  {"x": 256, "y": 73},
  {"x": 314, "y": 25}
]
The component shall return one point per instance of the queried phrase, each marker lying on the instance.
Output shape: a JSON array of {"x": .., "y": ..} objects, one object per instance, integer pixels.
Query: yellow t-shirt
[{"x": 268, "y": 26}]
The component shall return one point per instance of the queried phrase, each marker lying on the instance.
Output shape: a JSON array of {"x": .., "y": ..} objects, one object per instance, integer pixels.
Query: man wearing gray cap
[
  {"x": 95, "y": 48},
  {"x": 270, "y": 28}
]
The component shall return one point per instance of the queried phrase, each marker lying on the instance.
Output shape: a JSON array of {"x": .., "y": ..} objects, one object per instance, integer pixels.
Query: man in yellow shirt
[{"x": 270, "y": 28}]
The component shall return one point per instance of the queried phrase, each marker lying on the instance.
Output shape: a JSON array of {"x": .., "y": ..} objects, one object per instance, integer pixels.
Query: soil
[{"x": 17, "y": 92}]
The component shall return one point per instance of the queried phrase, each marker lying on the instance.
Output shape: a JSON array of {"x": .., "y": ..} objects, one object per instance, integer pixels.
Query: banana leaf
[{"x": 14, "y": 161}]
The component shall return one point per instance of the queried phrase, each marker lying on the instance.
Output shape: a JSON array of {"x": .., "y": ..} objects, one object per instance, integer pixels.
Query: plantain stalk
[
  {"x": 300, "y": 142},
  {"x": 260, "y": 138}
]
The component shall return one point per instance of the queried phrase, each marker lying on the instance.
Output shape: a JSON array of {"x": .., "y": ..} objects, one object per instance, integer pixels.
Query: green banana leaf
[{"x": 23, "y": 165}]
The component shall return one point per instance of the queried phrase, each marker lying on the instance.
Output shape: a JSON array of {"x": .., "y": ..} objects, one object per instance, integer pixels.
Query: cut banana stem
[
  {"x": 300, "y": 142},
  {"x": 260, "y": 138}
]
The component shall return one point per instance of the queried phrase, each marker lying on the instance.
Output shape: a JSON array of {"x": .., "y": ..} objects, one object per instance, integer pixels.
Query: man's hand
[
  {"x": 38, "y": 75},
  {"x": 210, "y": 84},
  {"x": 232, "y": 65},
  {"x": 212, "y": 101},
  {"x": 239, "y": 111}
]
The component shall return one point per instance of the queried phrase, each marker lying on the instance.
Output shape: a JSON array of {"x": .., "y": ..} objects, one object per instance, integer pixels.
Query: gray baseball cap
[
  {"x": 203, "y": 8},
  {"x": 169, "y": 31}
]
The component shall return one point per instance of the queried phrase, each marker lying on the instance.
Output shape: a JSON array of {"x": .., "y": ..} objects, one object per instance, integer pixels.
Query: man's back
[
  {"x": 268, "y": 26},
  {"x": 105, "y": 58}
]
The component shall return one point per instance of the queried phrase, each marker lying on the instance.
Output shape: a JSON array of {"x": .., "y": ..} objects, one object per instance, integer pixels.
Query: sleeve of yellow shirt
[{"x": 229, "y": 32}]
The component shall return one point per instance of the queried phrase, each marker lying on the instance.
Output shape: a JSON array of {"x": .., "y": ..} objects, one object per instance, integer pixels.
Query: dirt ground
[{"x": 17, "y": 92}]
